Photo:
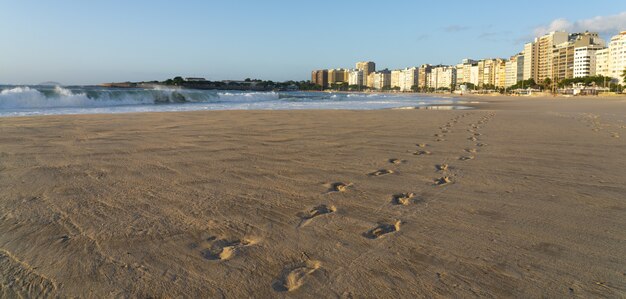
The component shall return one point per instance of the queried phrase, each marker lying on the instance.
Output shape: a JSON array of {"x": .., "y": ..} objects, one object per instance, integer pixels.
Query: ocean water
[{"x": 47, "y": 100}]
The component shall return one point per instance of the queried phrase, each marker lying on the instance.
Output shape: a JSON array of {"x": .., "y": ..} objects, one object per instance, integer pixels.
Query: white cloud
[{"x": 601, "y": 24}]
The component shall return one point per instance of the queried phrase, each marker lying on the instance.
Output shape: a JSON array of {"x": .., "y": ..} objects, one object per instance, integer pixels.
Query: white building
[
  {"x": 442, "y": 77},
  {"x": 407, "y": 78},
  {"x": 379, "y": 80},
  {"x": 617, "y": 57},
  {"x": 395, "y": 78},
  {"x": 474, "y": 75},
  {"x": 355, "y": 77},
  {"x": 514, "y": 70},
  {"x": 585, "y": 61},
  {"x": 602, "y": 63}
]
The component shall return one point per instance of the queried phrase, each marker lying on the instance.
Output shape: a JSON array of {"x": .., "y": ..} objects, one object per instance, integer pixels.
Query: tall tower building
[
  {"x": 545, "y": 48},
  {"x": 367, "y": 67}
]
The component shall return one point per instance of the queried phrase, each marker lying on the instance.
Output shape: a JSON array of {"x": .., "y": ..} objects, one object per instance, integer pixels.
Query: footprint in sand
[
  {"x": 382, "y": 229},
  {"x": 442, "y": 167},
  {"x": 614, "y": 135},
  {"x": 442, "y": 181},
  {"x": 395, "y": 161},
  {"x": 221, "y": 249},
  {"x": 481, "y": 144},
  {"x": 465, "y": 158},
  {"x": 339, "y": 187},
  {"x": 294, "y": 276},
  {"x": 422, "y": 145},
  {"x": 402, "y": 198},
  {"x": 471, "y": 150},
  {"x": 439, "y": 135},
  {"x": 477, "y": 134},
  {"x": 315, "y": 212},
  {"x": 440, "y": 139},
  {"x": 421, "y": 153},
  {"x": 472, "y": 138},
  {"x": 380, "y": 172}
]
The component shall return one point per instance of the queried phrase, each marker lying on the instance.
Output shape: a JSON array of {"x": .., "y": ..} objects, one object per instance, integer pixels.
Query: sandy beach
[{"x": 520, "y": 197}]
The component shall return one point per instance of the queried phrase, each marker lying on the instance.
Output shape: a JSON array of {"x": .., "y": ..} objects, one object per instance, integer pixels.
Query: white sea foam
[{"x": 17, "y": 101}]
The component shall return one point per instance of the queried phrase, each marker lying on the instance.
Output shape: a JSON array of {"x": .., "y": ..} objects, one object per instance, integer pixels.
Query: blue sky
[{"x": 89, "y": 42}]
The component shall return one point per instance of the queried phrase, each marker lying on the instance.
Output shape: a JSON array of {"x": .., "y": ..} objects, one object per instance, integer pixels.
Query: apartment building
[
  {"x": 367, "y": 67},
  {"x": 602, "y": 63},
  {"x": 423, "y": 74},
  {"x": 545, "y": 48},
  {"x": 408, "y": 78},
  {"x": 320, "y": 77},
  {"x": 515, "y": 67},
  {"x": 355, "y": 77},
  {"x": 563, "y": 54},
  {"x": 379, "y": 80},
  {"x": 500, "y": 73},
  {"x": 531, "y": 60},
  {"x": 337, "y": 76},
  {"x": 617, "y": 57},
  {"x": 585, "y": 60},
  {"x": 442, "y": 77}
]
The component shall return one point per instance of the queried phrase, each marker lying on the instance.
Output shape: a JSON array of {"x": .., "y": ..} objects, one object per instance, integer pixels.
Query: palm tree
[{"x": 624, "y": 75}]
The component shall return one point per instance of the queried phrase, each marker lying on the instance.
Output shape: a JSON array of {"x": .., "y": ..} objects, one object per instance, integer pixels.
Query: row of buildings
[{"x": 555, "y": 56}]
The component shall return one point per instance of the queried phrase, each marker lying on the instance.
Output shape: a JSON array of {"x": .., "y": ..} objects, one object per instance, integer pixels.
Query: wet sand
[{"x": 522, "y": 197}]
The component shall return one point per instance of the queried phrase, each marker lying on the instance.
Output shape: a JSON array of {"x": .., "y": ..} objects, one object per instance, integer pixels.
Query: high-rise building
[
  {"x": 336, "y": 76},
  {"x": 531, "y": 61},
  {"x": 423, "y": 74},
  {"x": 463, "y": 72},
  {"x": 367, "y": 67},
  {"x": 602, "y": 63},
  {"x": 545, "y": 48},
  {"x": 355, "y": 77},
  {"x": 563, "y": 54},
  {"x": 407, "y": 78},
  {"x": 515, "y": 69},
  {"x": 585, "y": 60},
  {"x": 320, "y": 77},
  {"x": 379, "y": 80},
  {"x": 395, "y": 78},
  {"x": 487, "y": 72},
  {"x": 442, "y": 77},
  {"x": 617, "y": 57},
  {"x": 500, "y": 73}
]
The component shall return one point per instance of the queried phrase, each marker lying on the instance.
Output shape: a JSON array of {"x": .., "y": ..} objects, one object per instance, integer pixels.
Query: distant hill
[{"x": 50, "y": 83}]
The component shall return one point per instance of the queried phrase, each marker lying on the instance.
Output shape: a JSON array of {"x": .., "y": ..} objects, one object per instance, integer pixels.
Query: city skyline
[{"x": 77, "y": 43}]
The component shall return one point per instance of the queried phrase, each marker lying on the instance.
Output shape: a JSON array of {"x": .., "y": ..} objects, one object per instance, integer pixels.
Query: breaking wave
[
  {"x": 44, "y": 100},
  {"x": 60, "y": 97}
]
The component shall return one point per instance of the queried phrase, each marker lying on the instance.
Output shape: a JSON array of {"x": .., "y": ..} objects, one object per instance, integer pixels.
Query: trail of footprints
[{"x": 294, "y": 275}]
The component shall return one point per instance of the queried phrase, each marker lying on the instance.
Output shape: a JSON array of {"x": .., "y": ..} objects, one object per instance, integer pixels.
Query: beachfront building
[
  {"x": 367, "y": 67},
  {"x": 585, "y": 60},
  {"x": 408, "y": 78},
  {"x": 464, "y": 72},
  {"x": 531, "y": 60},
  {"x": 545, "y": 49},
  {"x": 487, "y": 72},
  {"x": 337, "y": 76},
  {"x": 395, "y": 78},
  {"x": 355, "y": 77},
  {"x": 379, "y": 80},
  {"x": 424, "y": 73},
  {"x": 320, "y": 77},
  {"x": 617, "y": 57},
  {"x": 500, "y": 73},
  {"x": 442, "y": 76},
  {"x": 563, "y": 54},
  {"x": 515, "y": 69},
  {"x": 602, "y": 63}
]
